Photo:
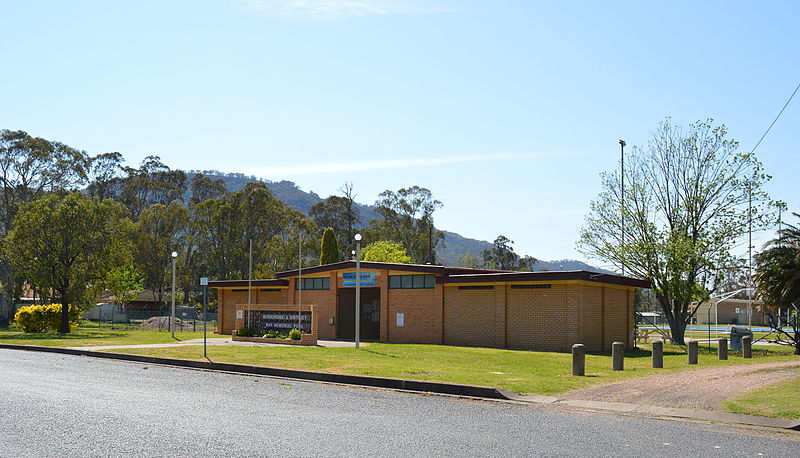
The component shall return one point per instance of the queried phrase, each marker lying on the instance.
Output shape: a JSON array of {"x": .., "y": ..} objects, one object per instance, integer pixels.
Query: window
[
  {"x": 412, "y": 281},
  {"x": 316, "y": 283},
  {"x": 269, "y": 290},
  {"x": 476, "y": 287}
]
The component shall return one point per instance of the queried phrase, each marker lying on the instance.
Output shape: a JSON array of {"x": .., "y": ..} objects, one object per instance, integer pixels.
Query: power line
[{"x": 776, "y": 118}]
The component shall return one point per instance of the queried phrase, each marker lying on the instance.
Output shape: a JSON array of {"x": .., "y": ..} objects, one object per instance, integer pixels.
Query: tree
[
  {"x": 778, "y": 283},
  {"x": 329, "y": 248},
  {"x": 152, "y": 183},
  {"x": 125, "y": 283},
  {"x": 406, "y": 216},
  {"x": 105, "y": 176},
  {"x": 159, "y": 231},
  {"x": 502, "y": 257},
  {"x": 469, "y": 261},
  {"x": 29, "y": 168},
  {"x": 69, "y": 242},
  {"x": 227, "y": 224},
  {"x": 684, "y": 208},
  {"x": 386, "y": 251},
  {"x": 340, "y": 213}
]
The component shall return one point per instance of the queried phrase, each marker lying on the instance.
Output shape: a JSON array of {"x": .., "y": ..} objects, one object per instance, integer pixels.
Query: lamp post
[
  {"x": 622, "y": 197},
  {"x": 358, "y": 290},
  {"x": 172, "y": 314}
]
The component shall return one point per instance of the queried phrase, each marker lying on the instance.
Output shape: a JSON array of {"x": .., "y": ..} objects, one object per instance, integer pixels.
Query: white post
[
  {"x": 172, "y": 314},
  {"x": 358, "y": 291},
  {"x": 249, "y": 284}
]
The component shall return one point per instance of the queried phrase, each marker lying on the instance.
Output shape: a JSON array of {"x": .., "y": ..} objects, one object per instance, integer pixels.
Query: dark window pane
[
  {"x": 326, "y": 283},
  {"x": 407, "y": 281},
  {"x": 430, "y": 281},
  {"x": 419, "y": 281},
  {"x": 395, "y": 281}
]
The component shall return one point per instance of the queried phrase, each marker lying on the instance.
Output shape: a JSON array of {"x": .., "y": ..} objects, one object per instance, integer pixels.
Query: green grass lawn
[
  {"x": 781, "y": 400},
  {"x": 520, "y": 371},
  {"x": 89, "y": 334}
]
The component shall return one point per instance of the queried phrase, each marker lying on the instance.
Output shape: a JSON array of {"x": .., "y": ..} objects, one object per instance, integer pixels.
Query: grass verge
[
  {"x": 530, "y": 372},
  {"x": 90, "y": 334},
  {"x": 781, "y": 400}
]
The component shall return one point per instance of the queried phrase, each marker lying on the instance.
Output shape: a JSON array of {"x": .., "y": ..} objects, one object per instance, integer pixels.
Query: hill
[{"x": 455, "y": 245}]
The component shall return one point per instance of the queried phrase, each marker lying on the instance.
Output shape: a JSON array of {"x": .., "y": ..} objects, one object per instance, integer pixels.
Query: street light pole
[
  {"x": 358, "y": 291},
  {"x": 172, "y": 314},
  {"x": 622, "y": 197}
]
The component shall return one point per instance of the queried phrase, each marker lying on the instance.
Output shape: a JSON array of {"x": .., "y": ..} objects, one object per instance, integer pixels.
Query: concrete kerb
[{"x": 452, "y": 389}]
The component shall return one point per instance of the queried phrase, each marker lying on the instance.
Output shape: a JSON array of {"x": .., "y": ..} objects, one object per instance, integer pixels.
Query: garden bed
[{"x": 305, "y": 339}]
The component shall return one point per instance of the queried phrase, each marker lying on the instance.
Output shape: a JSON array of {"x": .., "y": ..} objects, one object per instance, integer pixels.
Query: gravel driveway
[{"x": 698, "y": 389}]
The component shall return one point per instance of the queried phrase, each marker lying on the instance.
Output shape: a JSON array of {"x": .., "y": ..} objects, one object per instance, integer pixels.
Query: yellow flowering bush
[{"x": 44, "y": 318}]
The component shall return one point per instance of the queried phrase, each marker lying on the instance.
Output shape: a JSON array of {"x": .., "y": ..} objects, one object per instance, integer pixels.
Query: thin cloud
[
  {"x": 334, "y": 9},
  {"x": 367, "y": 166}
]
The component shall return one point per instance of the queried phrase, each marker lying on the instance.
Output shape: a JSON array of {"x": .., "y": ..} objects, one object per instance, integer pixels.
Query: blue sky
[{"x": 507, "y": 110}]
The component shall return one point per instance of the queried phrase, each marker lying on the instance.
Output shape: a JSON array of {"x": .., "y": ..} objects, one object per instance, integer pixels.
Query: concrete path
[{"x": 215, "y": 341}]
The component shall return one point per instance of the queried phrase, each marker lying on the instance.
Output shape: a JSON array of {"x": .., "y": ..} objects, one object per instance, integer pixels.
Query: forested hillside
[{"x": 454, "y": 245}]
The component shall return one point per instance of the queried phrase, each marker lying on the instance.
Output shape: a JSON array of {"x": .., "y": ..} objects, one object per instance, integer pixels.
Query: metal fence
[{"x": 186, "y": 319}]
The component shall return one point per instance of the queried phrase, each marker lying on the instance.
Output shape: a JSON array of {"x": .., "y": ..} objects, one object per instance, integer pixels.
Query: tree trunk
[
  {"x": 63, "y": 328},
  {"x": 677, "y": 329},
  {"x": 677, "y": 323}
]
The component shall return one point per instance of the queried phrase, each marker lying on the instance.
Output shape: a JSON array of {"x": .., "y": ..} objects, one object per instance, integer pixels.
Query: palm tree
[{"x": 778, "y": 282}]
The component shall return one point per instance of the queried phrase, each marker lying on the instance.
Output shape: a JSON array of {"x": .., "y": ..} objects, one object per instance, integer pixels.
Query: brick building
[{"x": 409, "y": 303}]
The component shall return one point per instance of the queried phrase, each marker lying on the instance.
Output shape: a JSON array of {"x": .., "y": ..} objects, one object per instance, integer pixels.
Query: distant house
[{"x": 730, "y": 311}]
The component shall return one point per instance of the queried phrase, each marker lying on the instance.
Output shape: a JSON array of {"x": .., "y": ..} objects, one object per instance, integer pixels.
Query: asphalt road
[{"x": 60, "y": 405}]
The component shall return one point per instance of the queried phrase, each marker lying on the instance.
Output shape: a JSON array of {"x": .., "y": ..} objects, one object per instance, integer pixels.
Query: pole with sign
[{"x": 204, "y": 284}]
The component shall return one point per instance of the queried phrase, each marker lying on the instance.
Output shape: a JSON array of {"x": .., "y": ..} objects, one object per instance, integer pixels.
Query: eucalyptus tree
[
  {"x": 689, "y": 199},
  {"x": 152, "y": 183},
  {"x": 31, "y": 167},
  {"x": 406, "y": 216}
]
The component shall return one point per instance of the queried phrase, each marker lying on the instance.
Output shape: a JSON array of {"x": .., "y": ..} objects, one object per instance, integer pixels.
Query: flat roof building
[{"x": 412, "y": 303}]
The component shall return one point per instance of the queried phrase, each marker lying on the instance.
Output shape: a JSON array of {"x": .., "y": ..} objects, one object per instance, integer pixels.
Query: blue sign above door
[{"x": 367, "y": 279}]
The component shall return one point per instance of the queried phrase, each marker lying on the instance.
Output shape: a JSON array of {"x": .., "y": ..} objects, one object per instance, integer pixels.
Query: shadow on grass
[{"x": 378, "y": 353}]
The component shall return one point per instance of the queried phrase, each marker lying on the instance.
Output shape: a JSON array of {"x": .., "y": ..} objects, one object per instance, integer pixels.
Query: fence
[{"x": 186, "y": 319}]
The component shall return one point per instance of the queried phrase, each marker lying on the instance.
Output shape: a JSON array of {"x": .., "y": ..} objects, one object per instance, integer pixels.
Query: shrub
[
  {"x": 294, "y": 334},
  {"x": 44, "y": 318}
]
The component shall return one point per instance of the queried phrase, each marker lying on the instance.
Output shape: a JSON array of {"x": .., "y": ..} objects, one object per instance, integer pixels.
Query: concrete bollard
[
  {"x": 692, "y": 352},
  {"x": 658, "y": 354},
  {"x": 722, "y": 349},
  {"x": 618, "y": 355},
  {"x": 579, "y": 359},
  {"x": 747, "y": 346}
]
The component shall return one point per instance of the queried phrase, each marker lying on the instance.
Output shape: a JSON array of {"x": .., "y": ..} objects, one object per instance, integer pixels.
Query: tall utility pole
[
  {"x": 172, "y": 314},
  {"x": 749, "y": 256},
  {"x": 358, "y": 290},
  {"x": 622, "y": 196}
]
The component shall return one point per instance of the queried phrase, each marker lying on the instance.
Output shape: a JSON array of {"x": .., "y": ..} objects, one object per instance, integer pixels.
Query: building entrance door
[{"x": 370, "y": 313}]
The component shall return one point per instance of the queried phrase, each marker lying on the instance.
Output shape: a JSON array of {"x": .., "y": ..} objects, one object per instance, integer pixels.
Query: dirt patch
[{"x": 697, "y": 389}]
